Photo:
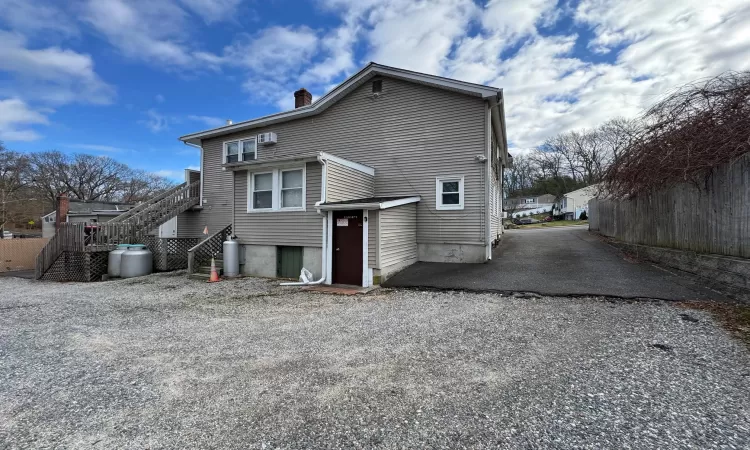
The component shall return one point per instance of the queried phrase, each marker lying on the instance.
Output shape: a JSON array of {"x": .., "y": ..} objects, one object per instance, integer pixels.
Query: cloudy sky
[{"x": 125, "y": 78}]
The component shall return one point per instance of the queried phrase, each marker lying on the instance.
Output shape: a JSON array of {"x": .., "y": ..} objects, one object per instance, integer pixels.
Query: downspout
[{"x": 324, "y": 183}]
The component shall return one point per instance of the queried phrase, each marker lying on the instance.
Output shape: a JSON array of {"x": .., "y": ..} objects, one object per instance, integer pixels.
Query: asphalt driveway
[
  {"x": 164, "y": 362},
  {"x": 556, "y": 261}
]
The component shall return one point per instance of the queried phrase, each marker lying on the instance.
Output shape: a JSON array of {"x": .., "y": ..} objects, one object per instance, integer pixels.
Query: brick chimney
[
  {"x": 302, "y": 98},
  {"x": 63, "y": 206}
]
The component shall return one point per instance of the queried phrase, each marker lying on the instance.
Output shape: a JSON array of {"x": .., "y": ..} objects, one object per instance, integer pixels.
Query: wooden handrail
[
  {"x": 207, "y": 249},
  {"x": 146, "y": 204},
  {"x": 124, "y": 229}
]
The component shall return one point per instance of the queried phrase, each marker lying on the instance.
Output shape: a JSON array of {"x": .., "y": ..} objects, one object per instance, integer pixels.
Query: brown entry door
[{"x": 347, "y": 247}]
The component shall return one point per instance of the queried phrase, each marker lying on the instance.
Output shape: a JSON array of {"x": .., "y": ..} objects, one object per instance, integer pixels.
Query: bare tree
[
  {"x": 520, "y": 175},
  {"x": 88, "y": 177},
  {"x": 139, "y": 185},
  {"x": 617, "y": 135},
  {"x": 14, "y": 171},
  {"x": 683, "y": 137}
]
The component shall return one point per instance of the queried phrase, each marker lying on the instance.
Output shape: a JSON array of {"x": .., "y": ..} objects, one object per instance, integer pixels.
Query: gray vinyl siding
[
  {"x": 373, "y": 260},
  {"x": 217, "y": 195},
  {"x": 345, "y": 183},
  {"x": 410, "y": 134},
  {"x": 398, "y": 234},
  {"x": 293, "y": 228}
]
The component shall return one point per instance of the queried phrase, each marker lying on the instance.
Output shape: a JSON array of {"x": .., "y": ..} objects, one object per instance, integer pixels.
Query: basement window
[{"x": 449, "y": 193}]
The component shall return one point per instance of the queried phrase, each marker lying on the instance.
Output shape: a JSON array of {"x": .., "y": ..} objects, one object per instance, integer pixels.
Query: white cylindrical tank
[
  {"x": 115, "y": 260},
  {"x": 231, "y": 257},
  {"x": 137, "y": 261}
]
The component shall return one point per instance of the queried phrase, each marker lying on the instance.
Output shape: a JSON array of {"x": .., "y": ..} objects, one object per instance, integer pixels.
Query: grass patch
[
  {"x": 734, "y": 317},
  {"x": 556, "y": 223}
]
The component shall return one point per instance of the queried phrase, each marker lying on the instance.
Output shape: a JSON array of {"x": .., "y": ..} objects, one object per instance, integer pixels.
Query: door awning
[{"x": 368, "y": 203}]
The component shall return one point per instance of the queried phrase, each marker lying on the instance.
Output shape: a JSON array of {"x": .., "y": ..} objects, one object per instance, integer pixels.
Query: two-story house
[
  {"x": 389, "y": 168},
  {"x": 572, "y": 204}
]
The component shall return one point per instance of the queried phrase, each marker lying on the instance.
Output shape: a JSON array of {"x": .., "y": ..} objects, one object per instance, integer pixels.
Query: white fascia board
[
  {"x": 368, "y": 206},
  {"x": 324, "y": 102},
  {"x": 277, "y": 164},
  {"x": 347, "y": 206},
  {"x": 403, "y": 201},
  {"x": 345, "y": 162}
]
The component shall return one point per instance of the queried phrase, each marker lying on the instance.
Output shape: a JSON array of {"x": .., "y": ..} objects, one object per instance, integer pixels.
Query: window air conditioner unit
[{"x": 266, "y": 138}]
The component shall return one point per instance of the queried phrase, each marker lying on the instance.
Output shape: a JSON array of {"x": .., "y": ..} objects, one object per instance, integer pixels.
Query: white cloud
[
  {"x": 152, "y": 31},
  {"x": 339, "y": 56},
  {"x": 209, "y": 121},
  {"x": 156, "y": 122},
  {"x": 514, "y": 19},
  {"x": 550, "y": 84},
  {"x": 15, "y": 119},
  {"x": 53, "y": 75},
  {"x": 33, "y": 18},
  {"x": 274, "y": 59}
]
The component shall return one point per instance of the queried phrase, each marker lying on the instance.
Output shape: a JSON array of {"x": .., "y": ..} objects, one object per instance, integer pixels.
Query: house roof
[
  {"x": 492, "y": 94},
  {"x": 369, "y": 203},
  {"x": 83, "y": 207}
]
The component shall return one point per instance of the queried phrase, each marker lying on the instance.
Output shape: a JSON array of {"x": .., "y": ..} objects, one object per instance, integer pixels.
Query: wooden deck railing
[
  {"x": 209, "y": 248},
  {"x": 84, "y": 237},
  {"x": 146, "y": 204},
  {"x": 128, "y": 228}
]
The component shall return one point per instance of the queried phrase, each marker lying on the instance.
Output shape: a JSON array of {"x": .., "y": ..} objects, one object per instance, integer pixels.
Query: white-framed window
[
  {"x": 240, "y": 150},
  {"x": 529, "y": 200},
  {"x": 277, "y": 190},
  {"x": 262, "y": 191},
  {"x": 450, "y": 193},
  {"x": 292, "y": 187}
]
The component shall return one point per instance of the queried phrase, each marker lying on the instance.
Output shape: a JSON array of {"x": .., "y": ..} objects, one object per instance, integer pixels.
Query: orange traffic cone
[{"x": 214, "y": 274}]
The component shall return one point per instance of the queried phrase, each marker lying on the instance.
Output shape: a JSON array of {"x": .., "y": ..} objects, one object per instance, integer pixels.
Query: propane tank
[
  {"x": 231, "y": 257},
  {"x": 114, "y": 260}
]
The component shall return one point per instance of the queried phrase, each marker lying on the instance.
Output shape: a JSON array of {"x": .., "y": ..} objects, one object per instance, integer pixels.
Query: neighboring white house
[{"x": 574, "y": 203}]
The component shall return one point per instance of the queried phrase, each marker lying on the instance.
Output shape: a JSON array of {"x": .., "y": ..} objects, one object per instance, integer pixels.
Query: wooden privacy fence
[
  {"x": 19, "y": 254},
  {"x": 711, "y": 218}
]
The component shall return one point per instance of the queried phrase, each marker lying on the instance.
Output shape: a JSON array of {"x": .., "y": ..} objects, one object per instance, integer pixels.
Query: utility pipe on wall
[{"x": 324, "y": 249}]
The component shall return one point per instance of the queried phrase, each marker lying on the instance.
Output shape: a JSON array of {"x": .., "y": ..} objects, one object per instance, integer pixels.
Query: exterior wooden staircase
[
  {"x": 158, "y": 210},
  {"x": 91, "y": 242},
  {"x": 204, "y": 271}
]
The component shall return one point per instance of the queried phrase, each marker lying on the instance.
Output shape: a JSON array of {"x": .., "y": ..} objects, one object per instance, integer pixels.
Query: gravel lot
[{"x": 164, "y": 362}]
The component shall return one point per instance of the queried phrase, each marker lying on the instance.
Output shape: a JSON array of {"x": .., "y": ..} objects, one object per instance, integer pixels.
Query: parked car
[
  {"x": 528, "y": 221},
  {"x": 548, "y": 219},
  {"x": 7, "y": 235}
]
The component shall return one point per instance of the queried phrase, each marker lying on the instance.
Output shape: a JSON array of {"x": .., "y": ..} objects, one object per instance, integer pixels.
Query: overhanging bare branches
[{"x": 683, "y": 137}]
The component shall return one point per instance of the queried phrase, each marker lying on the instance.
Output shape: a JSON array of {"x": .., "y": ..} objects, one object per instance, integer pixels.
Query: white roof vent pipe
[{"x": 229, "y": 121}]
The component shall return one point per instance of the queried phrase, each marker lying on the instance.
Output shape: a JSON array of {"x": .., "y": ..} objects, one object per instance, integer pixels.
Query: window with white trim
[
  {"x": 262, "y": 191},
  {"x": 277, "y": 190},
  {"x": 291, "y": 188},
  {"x": 240, "y": 150},
  {"x": 450, "y": 193}
]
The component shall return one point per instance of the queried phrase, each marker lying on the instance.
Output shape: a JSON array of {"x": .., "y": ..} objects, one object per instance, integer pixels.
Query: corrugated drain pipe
[{"x": 325, "y": 229}]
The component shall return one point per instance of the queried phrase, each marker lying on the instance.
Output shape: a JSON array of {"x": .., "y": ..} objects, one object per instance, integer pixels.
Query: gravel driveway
[{"x": 163, "y": 362}]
